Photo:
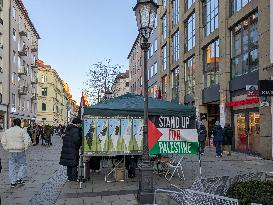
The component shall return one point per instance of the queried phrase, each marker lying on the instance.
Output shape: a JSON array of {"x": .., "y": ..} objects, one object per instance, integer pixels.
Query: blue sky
[{"x": 76, "y": 34}]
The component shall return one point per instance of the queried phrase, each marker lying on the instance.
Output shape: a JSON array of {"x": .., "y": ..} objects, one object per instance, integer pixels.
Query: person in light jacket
[{"x": 16, "y": 141}]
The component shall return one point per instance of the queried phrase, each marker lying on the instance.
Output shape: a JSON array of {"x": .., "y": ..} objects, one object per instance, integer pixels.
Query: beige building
[
  {"x": 55, "y": 103},
  {"x": 19, "y": 46},
  {"x": 51, "y": 99},
  {"x": 121, "y": 84},
  {"x": 210, "y": 53}
]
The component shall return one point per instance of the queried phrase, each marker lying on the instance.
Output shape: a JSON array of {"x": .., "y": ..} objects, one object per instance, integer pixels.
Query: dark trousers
[
  {"x": 218, "y": 146},
  {"x": 201, "y": 146},
  {"x": 72, "y": 173}
]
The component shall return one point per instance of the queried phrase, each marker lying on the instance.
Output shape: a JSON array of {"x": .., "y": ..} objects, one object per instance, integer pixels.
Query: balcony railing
[
  {"x": 34, "y": 81},
  {"x": 22, "y": 71},
  {"x": 34, "y": 48},
  {"x": 22, "y": 90},
  {"x": 23, "y": 33}
]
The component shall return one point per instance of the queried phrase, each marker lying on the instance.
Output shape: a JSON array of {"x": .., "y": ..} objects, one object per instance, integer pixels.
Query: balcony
[
  {"x": 22, "y": 90},
  {"x": 34, "y": 81},
  {"x": 23, "y": 52},
  {"x": 34, "y": 48},
  {"x": 22, "y": 71},
  {"x": 23, "y": 33},
  {"x": 34, "y": 97}
]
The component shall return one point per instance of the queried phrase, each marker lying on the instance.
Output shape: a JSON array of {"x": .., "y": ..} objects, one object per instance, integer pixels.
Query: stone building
[
  {"x": 20, "y": 50},
  {"x": 212, "y": 55},
  {"x": 121, "y": 84}
]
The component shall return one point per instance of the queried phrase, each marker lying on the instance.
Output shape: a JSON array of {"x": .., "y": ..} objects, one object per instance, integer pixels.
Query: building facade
[
  {"x": 51, "y": 108},
  {"x": 135, "y": 58},
  {"x": 121, "y": 84},
  {"x": 210, "y": 52},
  {"x": 212, "y": 55},
  {"x": 23, "y": 54}
]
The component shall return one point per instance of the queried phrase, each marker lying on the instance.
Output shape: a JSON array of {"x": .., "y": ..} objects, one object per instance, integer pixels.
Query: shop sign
[
  {"x": 252, "y": 90},
  {"x": 266, "y": 87},
  {"x": 243, "y": 102},
  {"x": 172, "y": 135}
]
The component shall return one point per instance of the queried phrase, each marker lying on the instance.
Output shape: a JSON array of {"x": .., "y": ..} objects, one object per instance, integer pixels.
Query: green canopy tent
[{"x": 132, "y": 105}]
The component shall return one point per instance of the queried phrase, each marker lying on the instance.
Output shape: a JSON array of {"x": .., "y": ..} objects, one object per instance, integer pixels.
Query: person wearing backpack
[{"x": 16, "y": 141}]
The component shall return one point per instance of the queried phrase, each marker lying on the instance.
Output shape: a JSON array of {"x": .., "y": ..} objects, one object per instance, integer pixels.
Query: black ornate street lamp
[{"x": 145, "y": 11}]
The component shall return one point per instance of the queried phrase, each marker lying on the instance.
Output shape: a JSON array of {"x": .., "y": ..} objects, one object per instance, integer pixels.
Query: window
[
  {"x": 190, "y": 68},
  {"x": 165, "y": 4},
  {"x": 43, "y": 107},
  {"x": 141, "y": 81},
  {"x": 164, "y": 27},
  {"x": 13, "y": 100},
  {"x": 175, "y": 12},
  {"x": 155, "y": 45},
  {"x": 151, "y": 72},
  {"x": 44, "y": 91},
  {"x": 151, "y": 50},
  {"x": 211, "y": 64},
  {"x": 164, "y": 87},
  {"x": 14, "y": 34},
  {"x": 13, "y": 78},
  {"x": 23, "y": 104},
  {"x": 155, "y": 26},
  {"x": 245, "y": 57},
  {"x": 210, "y": 16},
  {"x": 237, "y": 5},
  {"x": 175, "y": 42},
  {"x": 44, "y": 79},
  {"x": 175, "y": 85},
  {"x": 14, "y": 12},
  {"x": 155, "y": 68},
  {"x": 188, "y": 4},
  {"x": 14, "y": 57},
  {"x": 190, "y": 33},
  {"x": 28, "y": 106},
  {"x": 164, "y": 60}
]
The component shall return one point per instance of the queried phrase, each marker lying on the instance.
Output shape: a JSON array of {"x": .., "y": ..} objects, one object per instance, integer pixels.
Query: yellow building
[{"x": 55, "y": 104}]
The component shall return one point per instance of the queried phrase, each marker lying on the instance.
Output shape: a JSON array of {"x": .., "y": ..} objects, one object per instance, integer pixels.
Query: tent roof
[{"x": 132, "y": 105}]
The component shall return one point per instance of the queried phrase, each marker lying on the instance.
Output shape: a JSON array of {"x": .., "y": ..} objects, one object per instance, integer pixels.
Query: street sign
[{"x": 172, "y": 135}]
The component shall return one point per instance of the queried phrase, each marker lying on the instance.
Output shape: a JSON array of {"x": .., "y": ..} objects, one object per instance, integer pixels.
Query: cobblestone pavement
[
  {"x": 45, "y": 176},
  {"x": 46, "y": 181}
]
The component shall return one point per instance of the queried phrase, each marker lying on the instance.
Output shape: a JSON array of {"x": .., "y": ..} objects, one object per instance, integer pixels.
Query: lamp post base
[{"x": 145, "y": 193}]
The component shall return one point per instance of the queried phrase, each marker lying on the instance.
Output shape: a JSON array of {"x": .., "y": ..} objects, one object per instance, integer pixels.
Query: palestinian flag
[{"x": 172, "y": 135}]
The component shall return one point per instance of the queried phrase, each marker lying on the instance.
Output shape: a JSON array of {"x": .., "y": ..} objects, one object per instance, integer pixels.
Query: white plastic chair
[{"x": 175, "y": 166}]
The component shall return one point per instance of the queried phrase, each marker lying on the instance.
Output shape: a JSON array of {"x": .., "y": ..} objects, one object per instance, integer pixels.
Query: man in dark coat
[
  {"x": 202, "y": 135},
  {"x": 72, "y": 142},
  {"x": 228, "y": 135},
  {"x": 218, "y": 138}
]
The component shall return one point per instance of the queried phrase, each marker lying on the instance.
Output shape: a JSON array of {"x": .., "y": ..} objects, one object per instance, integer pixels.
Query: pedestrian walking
[
  {"x": 16, "y": 141},
  {"x": 202, "y": 135},
  {"x": 228, "y": 135},
  {"x": 72, "y": 142},
  {"x": 218, "y": 138}
]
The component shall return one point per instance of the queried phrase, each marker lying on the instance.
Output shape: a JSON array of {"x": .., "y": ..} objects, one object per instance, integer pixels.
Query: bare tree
[{"x": 101, "y": 76}]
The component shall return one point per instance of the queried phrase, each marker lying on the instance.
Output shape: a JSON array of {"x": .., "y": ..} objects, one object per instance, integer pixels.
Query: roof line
[
  {"x": 21, "y": 5},
  {"x": 137, "y": 38}
]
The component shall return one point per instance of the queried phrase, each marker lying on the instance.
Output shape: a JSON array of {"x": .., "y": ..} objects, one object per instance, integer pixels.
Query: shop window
[
  {"x": 190, "y": 76},
  {"x": 245, "y": 56},
  {"x": 211, "y": 64}
]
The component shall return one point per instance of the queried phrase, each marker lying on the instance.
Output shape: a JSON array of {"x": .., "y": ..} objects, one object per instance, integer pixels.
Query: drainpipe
[{"x": 9, "y": 70}]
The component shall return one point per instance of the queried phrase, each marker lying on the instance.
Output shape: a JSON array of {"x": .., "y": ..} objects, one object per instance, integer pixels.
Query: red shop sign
[{"x": 243, "y": 102}]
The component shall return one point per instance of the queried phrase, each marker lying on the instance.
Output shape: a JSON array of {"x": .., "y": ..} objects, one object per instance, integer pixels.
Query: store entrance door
[{"x": 247, "y": 131}]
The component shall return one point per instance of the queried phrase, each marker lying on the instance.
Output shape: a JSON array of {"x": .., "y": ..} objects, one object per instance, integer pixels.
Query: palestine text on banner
[{"x": 177, "y": 135}]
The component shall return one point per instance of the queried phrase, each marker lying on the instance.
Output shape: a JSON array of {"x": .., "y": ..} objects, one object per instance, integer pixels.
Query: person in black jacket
[
  {"x": 72, "y": 142},
  {"x": 228, "y": 135},
  {"x": 202, "y": 135},
  {"x": 218, "y": 138}
]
